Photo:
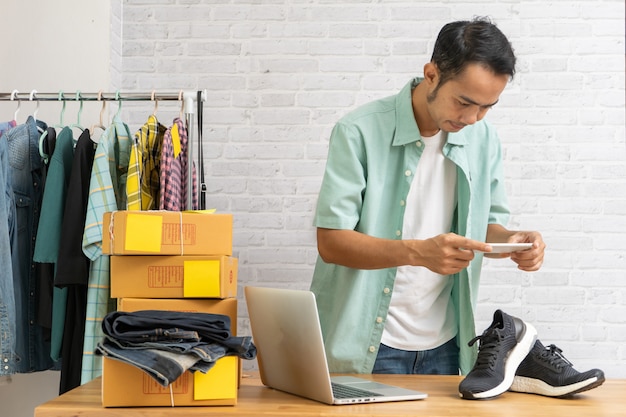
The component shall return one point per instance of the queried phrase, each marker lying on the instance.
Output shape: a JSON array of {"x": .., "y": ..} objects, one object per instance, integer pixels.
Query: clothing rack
[{"x": 189, "y": 99}]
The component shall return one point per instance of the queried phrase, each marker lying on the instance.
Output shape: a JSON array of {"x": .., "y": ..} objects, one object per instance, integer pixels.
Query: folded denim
[
  {"x": 165, "y": 344},
  {"x": 162, "y": 365},
  {"x": 157, "y": 325}
]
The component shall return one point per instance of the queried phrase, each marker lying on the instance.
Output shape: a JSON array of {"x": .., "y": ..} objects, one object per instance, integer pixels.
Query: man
[{"x": 413, "y": 189}]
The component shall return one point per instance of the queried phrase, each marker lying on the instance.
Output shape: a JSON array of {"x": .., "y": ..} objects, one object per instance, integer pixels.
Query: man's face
[{"x": 466, "y": 98}]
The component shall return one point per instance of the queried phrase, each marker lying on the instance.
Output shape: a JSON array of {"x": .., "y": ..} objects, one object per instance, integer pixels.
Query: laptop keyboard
[{"x": 346, "y": 391}]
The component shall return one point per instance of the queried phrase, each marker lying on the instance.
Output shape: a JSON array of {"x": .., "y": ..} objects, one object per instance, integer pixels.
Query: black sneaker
[
  {"x": 503, "y": 346},
  {"x": 545, "y": 371}
]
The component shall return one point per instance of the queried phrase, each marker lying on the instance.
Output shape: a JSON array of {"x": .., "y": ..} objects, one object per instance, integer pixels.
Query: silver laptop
[{"x": 290, "y": 351}]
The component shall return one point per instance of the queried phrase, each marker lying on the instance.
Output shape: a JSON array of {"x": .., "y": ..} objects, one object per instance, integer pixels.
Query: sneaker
[
  {"x": 545, "y": 371},
  {"x": 503, "y": 346}
]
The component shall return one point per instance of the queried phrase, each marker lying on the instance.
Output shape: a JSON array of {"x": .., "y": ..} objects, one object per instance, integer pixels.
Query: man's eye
[{"x": 463, "y": 104}]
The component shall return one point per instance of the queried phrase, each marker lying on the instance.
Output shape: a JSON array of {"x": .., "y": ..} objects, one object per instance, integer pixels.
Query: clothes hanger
[
  {"x": 182, "y": 105},
  {"x": 100, "y": 124},
  {"x": 156, "y": 102},
  {"x": 19, "y": 103},
  {"x": 80, "y": 110},
  {"x": 119, "y": 104},
  {"x": 44, "y": 155},
  {"x": 31, "y": 97}
]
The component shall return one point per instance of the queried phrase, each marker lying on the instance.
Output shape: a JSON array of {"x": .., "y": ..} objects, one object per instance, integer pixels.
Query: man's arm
[{"x": 445, "y": 254}]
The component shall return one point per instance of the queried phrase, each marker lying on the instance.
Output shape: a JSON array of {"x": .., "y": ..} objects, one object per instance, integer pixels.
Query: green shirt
[{"x": 373, "y": 154}]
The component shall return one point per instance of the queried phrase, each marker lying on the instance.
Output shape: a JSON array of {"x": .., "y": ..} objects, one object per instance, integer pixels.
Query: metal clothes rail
[{"x": 189, "y": 99}]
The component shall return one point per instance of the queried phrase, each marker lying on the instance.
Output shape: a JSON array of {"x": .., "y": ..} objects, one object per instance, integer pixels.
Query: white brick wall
[{"x": 280, "y": 72}]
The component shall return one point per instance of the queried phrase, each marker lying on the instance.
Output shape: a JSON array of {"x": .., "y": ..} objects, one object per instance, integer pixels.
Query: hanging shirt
[
  {"x": 73, "y": 265},
  {"x": 45, "y": 285},
  {"x": 174, "y": 169},
  {"x": 7, "y": 232},
  {"x": 143, "y": 184},
  {"x": 107, "y": 192},
  {"x": 49, "y": 231},
  {"x": 25, "y": 166}
]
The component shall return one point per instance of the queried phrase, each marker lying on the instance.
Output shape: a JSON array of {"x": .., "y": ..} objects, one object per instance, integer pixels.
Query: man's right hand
[{"x": 445, "y": 254}]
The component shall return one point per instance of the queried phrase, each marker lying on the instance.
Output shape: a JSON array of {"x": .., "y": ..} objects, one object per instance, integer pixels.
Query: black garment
[
  {"x": 45, "y": 271},
  {"x": 73, "y": 265}
]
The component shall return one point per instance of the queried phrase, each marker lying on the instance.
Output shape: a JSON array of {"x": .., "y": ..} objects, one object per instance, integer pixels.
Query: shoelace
[
  {"x": 488, "y": 349},
  {"x": 554, "y": 356}
]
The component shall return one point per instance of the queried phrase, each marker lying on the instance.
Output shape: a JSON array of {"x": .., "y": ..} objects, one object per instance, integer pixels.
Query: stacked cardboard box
[{"x": 175, "y": 261}]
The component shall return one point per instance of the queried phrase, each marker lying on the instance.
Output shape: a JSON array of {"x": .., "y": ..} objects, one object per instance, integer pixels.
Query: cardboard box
[
  {"x": 160, "y": 232},
  {"x": 173, "y": 276},
  {"x": 124, "y": 385}
]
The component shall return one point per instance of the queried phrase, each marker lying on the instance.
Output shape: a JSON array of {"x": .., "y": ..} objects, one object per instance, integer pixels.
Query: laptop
[{"x": 290, "y": 351}]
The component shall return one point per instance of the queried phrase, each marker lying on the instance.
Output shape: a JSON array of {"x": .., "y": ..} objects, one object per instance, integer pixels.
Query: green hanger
[
  {"x": 80, "y": 110},
  {"x": 119, "y": 104}
]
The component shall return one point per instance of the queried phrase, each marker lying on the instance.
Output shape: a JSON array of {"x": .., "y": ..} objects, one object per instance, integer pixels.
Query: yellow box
[
  {"x": 124, "y": 385},
  {"x": 173, "y": 276},
  {"x": 160, "y": 232}
]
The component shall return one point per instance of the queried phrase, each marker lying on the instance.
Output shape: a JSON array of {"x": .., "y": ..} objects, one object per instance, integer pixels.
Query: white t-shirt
[{"x": 421, "y": 315}]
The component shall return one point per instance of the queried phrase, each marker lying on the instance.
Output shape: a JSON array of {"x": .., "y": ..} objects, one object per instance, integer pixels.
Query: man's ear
[{"x": 431, "y": 73}]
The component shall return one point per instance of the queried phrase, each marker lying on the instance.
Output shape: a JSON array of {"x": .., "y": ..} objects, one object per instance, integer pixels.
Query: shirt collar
[{"x": 406, "y": 126}]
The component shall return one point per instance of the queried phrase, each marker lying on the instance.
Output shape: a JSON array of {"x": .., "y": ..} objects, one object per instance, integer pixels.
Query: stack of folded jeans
[{"x": 165, "y": 344}]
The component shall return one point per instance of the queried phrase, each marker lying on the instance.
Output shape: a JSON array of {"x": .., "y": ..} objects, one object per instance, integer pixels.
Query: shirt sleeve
[
  {"x": 341, "y": 196},
  {"x": 499, "y": 209}
]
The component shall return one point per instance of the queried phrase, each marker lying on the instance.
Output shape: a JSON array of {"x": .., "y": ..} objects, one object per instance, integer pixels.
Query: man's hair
[{"x": 476, "y": 41}]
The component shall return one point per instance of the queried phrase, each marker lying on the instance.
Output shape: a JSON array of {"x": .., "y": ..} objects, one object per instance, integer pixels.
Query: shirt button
[
  {"x": 418, "y": 143},
  {"x": 398, "y": 233},
  {"x": 372, "y": 349},
  {"x": 386, "y": 290},
  {"x": 407, "y": 173},
  {"x": 379, "y": 319},
  {"x": 402, "y": 203}
]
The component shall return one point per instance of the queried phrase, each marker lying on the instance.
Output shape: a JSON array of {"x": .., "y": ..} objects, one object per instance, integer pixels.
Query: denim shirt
[
  {"x": 32, "y": 351},
  {"x": 372, "y": 157},
  {"x": 7, "y": 233}
]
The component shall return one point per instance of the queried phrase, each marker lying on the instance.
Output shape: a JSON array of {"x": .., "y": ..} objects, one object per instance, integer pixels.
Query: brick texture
[{"x": 279, "y": 73}]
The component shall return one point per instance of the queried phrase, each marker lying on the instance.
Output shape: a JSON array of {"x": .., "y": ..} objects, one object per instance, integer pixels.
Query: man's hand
[
  {"x": 445, "y": 254},
  {"x": 526, "y": 260}
]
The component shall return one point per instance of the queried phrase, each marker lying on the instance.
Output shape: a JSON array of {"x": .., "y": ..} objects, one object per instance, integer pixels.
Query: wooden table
[{"x": 256, "y": 400}]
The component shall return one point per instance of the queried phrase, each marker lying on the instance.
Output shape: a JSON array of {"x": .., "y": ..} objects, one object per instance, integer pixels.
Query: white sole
[
  {"x": 537, "y": 386},
  {"x": 516, "y": 356}
]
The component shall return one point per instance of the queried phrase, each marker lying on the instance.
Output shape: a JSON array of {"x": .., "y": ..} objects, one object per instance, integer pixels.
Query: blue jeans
[
  {"x": 165, "y": 344},
  {"x": 442, "y": 360}
]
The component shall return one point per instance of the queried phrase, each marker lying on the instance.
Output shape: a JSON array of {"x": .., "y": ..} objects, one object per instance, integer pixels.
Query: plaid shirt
[
  {"x": 107, "y": 192},
  {"x": 143, "y": 182},
  {"x": 174, "y": 166}
]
